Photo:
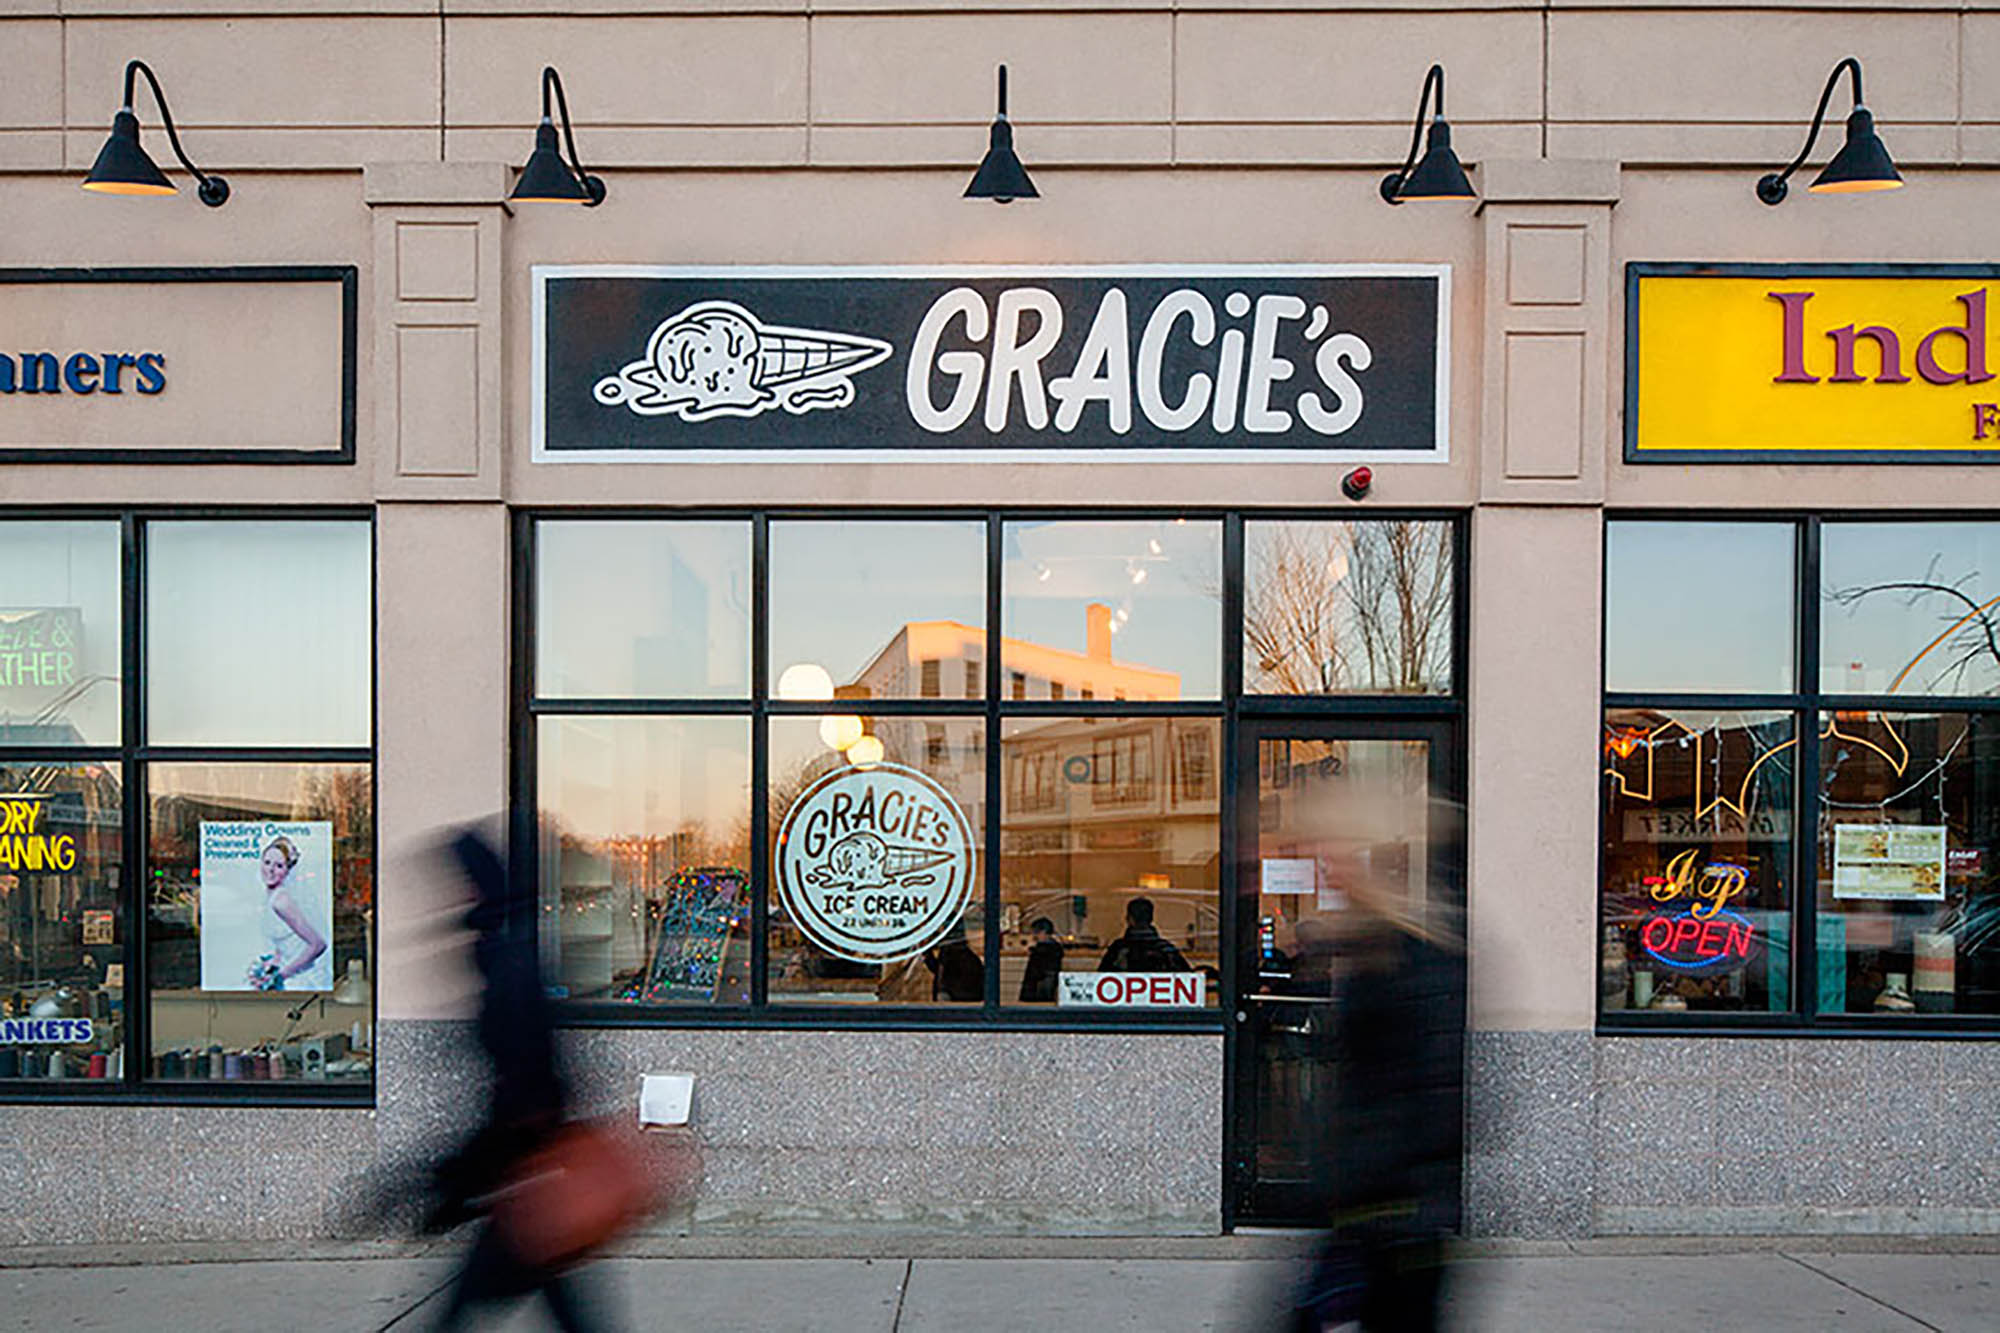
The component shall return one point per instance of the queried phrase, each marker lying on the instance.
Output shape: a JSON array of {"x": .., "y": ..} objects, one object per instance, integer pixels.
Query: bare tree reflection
[
  {"x": 1330, "y": 607},
  {"x": 1968, "y": 636}
]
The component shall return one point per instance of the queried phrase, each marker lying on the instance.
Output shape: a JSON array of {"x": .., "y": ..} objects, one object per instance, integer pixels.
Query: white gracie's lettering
[
  {"x": 1267, "y": 367},
  {"x": 1229, "y": 370},
  {"x": 1346, "y": 389},
  {"x": 968, "y": 368},
  {"x": 1153, "y": 350},
  {"x": 1013, "y": 359},
  {"x": 1103, "y": 370},
  {"x": 1235, "y": 393}
]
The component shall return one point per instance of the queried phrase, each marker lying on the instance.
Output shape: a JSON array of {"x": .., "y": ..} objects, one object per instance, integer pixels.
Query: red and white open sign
[{"x": 1133, "y": 990}]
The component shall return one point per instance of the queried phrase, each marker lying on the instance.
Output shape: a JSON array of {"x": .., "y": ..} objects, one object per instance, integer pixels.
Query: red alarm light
[{"x": 1356, "y": 483}]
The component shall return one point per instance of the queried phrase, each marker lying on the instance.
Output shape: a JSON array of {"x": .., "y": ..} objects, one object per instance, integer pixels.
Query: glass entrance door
[{"x": 1334, "y": 818}]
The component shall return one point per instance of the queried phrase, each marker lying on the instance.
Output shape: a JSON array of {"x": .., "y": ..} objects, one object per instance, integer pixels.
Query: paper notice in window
[
  {"x": 1290, "y": 875},
  {"x": 1892, "y": 862}
]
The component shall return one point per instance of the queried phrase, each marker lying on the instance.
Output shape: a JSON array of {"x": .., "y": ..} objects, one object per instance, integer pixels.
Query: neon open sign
[{"x": 1693, "y": 943}]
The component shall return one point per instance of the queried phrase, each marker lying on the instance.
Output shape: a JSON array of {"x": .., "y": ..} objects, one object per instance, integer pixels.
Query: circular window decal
[{"x": 875, "y": 864}]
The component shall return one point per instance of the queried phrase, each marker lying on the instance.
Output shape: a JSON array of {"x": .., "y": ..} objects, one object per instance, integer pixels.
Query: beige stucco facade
[{"x": 383, "y": 134}]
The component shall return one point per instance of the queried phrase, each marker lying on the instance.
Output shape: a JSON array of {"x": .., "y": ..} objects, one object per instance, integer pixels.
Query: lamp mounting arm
[
  {"x": 1772, "y": 188},
  {"x": 213, "y": 190},
  {"x": 593, "y": 186},
  {"x": 1392, "y": 185},
  {"x": 1003, "y": 91}
]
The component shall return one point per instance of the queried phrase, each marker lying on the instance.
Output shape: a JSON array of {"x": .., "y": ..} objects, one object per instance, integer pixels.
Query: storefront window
[
  {"x": 61, "y": 633},
  {"x": 1908, "y": 609},
  {"x": 255, "y": 875},
  {"x": 632, "y": 610},
  {"x": 1110, "y": 850},
  {"x": 1895, "y": 730},
  {"x": 645, "y": 858},
  {"x": 1347, "y": 608},
  {"x": 1909, "y": 863},
  {"x": 857, "y": 608},
  {"x": 259, "y": 633},
  {"x": 260, "y": 896},
  {"x": 901, "y": 810},
  {"x": 1113, "y": 610},
  {"x": 1697, "y": 860},
  {"x": 62, "y": 921},
  {"x": 878, "y": 855},
  {"x": 1699, "y": 608}
]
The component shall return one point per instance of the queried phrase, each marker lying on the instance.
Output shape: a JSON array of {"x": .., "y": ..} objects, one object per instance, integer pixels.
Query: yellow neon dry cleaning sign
[
  {"x": 26, "y": 843},
  {"x": 1727, "y": 362}
]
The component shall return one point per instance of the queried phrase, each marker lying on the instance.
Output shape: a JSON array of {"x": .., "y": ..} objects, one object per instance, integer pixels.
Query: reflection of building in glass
[
  {"x": 941, "y": 659},
  {"x": 1095, "y": 810},
  {"x": 1099, "y": 810}
]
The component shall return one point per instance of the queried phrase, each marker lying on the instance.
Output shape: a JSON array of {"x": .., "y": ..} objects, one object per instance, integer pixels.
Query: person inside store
[
  {"x": 1142, "y": 948},
  {"x": 1045, "y": 959},
  {"x": 957, "y": 973}
]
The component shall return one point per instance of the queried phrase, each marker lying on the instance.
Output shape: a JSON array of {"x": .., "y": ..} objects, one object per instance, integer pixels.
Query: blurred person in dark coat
[
  {"x": 527, "y": 1107},
  {"x": 1389, "y": 1168}
]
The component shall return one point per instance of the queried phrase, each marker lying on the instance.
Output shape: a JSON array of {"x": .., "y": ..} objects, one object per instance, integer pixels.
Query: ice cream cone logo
[
  {"x": 874, "y": 864},
  {"x": 716, "y": 359}
]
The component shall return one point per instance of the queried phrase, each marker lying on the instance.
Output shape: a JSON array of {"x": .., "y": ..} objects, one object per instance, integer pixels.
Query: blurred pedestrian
[
  {"x": 1389, "y": 1169},
  {"x": 525, "y": 1173}
]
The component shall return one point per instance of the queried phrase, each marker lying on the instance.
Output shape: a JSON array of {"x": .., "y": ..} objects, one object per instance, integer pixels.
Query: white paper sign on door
[{"x": 1290, "y": 875}]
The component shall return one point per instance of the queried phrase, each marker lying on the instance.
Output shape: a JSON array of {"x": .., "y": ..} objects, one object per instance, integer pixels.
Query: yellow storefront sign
[{"x": 1802, "y": 362}]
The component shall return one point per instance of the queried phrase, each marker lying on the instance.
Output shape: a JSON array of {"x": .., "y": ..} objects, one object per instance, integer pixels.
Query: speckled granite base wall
[
  {"x": 801, "y": 1131},
  {"x": 1527, "y": 1134},
  {"x": 1756, "y": 1136},
  {"x": 1571, "y": 1135},
  {"x": 994, "y": 1132}
]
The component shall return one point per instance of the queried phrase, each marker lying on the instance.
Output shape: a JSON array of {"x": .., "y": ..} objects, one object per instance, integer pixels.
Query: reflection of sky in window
[
  {"x": 1164, "y": 576},
  {"x": 604, "y": 777},
  {"x": 259, "y": 633},
  {"x": 1869, "y": 638},
  {"x": 53, "y": 565},
  {"x": 840, "y": 591},
  {"x": 636, "y": 609},
  {"x": 1699, "y": 606}
]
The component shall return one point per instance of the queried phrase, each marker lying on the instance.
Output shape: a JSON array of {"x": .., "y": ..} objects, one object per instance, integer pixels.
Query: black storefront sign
[{"x": 1338, "y": 363}]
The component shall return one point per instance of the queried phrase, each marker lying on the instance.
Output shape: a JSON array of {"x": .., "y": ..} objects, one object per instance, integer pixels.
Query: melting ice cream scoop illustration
[
  {"x": 862, "y": 861},
  {"x": 716, "y": 359}
]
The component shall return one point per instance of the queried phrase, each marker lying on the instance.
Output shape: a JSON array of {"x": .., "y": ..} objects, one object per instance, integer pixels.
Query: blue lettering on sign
[
  {"x": 45, "y": 1031},
  {"x": 83, "y": 373}
]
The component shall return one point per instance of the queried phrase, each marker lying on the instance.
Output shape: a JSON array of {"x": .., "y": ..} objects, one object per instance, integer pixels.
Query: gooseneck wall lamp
[
  {"x": 1438, "y": 176},
  {"x": 1861, "y": 165},
  {"x": 123, "y": 165},
  {"x": 1001, "y": 177},
  {"x": 547, "y": 179}
]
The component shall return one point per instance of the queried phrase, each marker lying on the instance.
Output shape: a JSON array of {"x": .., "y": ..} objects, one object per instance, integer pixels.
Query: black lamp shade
[
  {"x": 1438, "y": 175},
  {"x": 123, "y": 166},
  {"x": 1862, "y": 164},
  {"x": 1001, "y": 177},
  {"x": 547, "y": 178}
]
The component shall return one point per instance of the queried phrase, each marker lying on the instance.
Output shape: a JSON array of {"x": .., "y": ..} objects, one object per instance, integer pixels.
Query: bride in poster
[{"x": 296, "y": 958}]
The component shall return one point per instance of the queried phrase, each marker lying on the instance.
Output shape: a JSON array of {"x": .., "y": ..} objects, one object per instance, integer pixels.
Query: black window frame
[
  {"x": 1228, "y": 709},
  {"x": 134, "y": 756},
  {"x": 1803, "y": 703}
]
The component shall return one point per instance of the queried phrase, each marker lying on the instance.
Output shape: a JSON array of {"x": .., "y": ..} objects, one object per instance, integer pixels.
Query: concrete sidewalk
[{"x": 880, "y": 1286}]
